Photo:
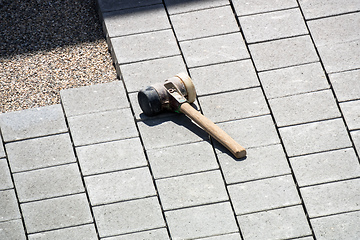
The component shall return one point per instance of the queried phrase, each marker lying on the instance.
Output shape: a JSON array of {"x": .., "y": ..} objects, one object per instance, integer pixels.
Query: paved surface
[{"x": 282, "y": 77}]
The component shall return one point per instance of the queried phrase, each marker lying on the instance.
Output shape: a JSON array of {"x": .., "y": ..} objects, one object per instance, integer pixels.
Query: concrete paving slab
[
  {"x": 202, "y": 221},
  {"x": 128, "y": 216},
  {"x": 351, "y": 111},
  {"x": 264, "y": 194},
  {"x": 332, "y": 198},
  {"x": 56, "y": 213},
  {"x": 224, "y": 77},
  {"x": 283, "y": 53},
  {"x": 9, "y": 209},
  {"x": 40, "y": 152},
  {"x": 211, "y": 50},
  {"x": 120, "y": 186},
  {"x": 2, "y": 152},
  {"x": 289, "y": 222},
  {"x": 273, "y": 25},
  {"x": 346, "y": 85},
  {"x": 112, "y": 5},
  {"x": 191, "y": 190},
  {"x": 48, "y": 182},
  {"x": 325, "y": 167},
  {"x": 12, "y": 230},
  {"x": 159, "y": 234},
  {"x": 231, "y": 236},
  {"x": 304, "y": 108},
  {"x": 293, "y": 80},
  {"x": 5, "y": 175},
  {"x": 315, "y": 137},
  {"x": 95, "y": 98},
  {"x": 340, "y": 226},
  {"x": 79, "y": 232},
  {"x": 324, "y": 8},
  {"x": 182, "y": 159},
  {"x": 244, "y": 7},
  {"x": 355, "y": 135},
  {"x": 32, "y": 123},
  {"x": 180, "y": 6},
  {"x": 111, "y": 156}
]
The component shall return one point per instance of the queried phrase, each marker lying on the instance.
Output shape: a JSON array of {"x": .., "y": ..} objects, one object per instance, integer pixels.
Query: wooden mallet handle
[{"x": 216, "y": 132}]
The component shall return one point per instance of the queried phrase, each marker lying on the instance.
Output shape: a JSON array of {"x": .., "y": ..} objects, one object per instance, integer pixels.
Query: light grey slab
[
  {"x": 264, "y": 194},
  {"x": 315, "y": 137},
  {"x": 244, "y": 7},
  {"x": 158, "y": 234},
  {"x": 325, "y": 167},
  {"x": 128, "y": 216},
  {"x": 355, "y": 135},
  {"x": 12, "y": 230},
  {"x": 5, "y": 177},
  {"x": 191, "y": 190},
  {"x": 111, "y": 5},
  {"x": 56, "y": 213},
  {"x": 293, "y": 80},
  {"x": 283, "y": 223},
  {"x": 102, "y": 127},
  {"x": 94, "y": 98},
  {"x": 322, "y": 8},
  {"x": 346, "y": 85},
  {"x": 204, "y": 23},
  {"x": 120, "y": 186},
  {"x": 2, "y": 152},
  {"x": 234, "y": 105},
  {"x": 33, "y": 122},
  {"x": 217, "y": 49},
  {"x": 9, "y": 209},
  {"x": 273, "y": 25},
  {"x": 340, "y": 226},
  {"x": 351, "y": 111},
  {"x": 332, "y": 198},
  {"x": 40, "y": 152},
  {"x": 283, "y": 53},
  {"x": 224, "y": 77},
  {"x": 202, "y": 221},
  {"x": 304, "y": 108},
  {"x": 48, "y": 182},
  {"x": 79, "y": 232},
  {"x": 111, "y": 156},
  {"x": 231, "y": 236},
  {"x": 260, "y": 163},
  {"x": 180, "y": 6},
  {"x": 182, "y": 159}
]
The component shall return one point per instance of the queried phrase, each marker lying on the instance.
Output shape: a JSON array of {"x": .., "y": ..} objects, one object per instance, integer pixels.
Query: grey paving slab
[
  {"x": 204, "y": 23},
  {"x": 56, "y": 213},
  {"x": 273, "y": 25},
  {"x": 2, "y": 152},
  {"x": 180, "y": 6},
  {"x": 129, "y": 216},
  {"x": 260, "y": 163},
  {"x": 191, "y": 190},
  {"x": 234, "y": 105},
  {"x": 182, "y": 159},
  {"x": 145, "y": 46},
  {"x": 136, "y": 20},
  {"x": 332, "y": 198},
  {"x": 202, "y": 221},
  {"x": 289, "y": 222},
  {"x": 79, "y": 232},
  {"x": 340, "y": 226},
  {"x": 346, "y": 85},
  {"x": 325, "y": 167},
  {"x": 40, "y": 152},
  {"x": 102, "y": 127},
  {"x": 141, "y": 74},
  {"x": 12, "y": 230},
  {"x": 293, "y": 80},
  {"x": 351, "y": 111},
  {"x": 111, "y": 5},
  {"x": 9, "y": 209},
  {"x": 111, "y": 156},
  {"x": 5, "y": 175},
  {"x": 94, "y": 98},
  {"x": 323, "y": 8},
  {"x": 217, "y": 49},
  {"x": 120, "y": 186},
  {"x": 48, "y": 182},
  {"x": 170, "y": 131},
  {"x": 231, "y": 236},
  {"x": 264, "y": 194},
  {"x": 315, "y": 137},
  {"x": 158, "y": 234},
  {"x": 355, "y": 135},
  {"x": 224, "y": 77},
  {"x": 244, "y": 7},
  {"x": 33, "y": 122},
  {"x": 283, "y": 53},
  {"x": 304, "y": 108}
]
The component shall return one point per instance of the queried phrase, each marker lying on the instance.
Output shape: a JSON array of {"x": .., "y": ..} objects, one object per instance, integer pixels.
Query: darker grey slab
[
  {"x": 79, "y": 232},
  {"x": 244, "y": 7},
  {"x": 12, "y": 230},
  {"x": 323, "y": 8},
  {"x": 40, "y": 152},
  {"x": 180, "y": 6},
  {"x": 5, "y": 177},
  {"x": 346, "y": 85},
  {"x": 31, "y": 123},
  {"x": 111, "y": 5},
  {"x": 9, "y": 209},
  {"x": 159, "y": 234},
  {"x": 351, "y": 111}
]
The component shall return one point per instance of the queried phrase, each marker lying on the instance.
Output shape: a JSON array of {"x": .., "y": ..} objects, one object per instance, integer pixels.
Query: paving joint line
[
  {"x": 330, "y": 182},
  {"x": 102, "y": 142},
  {"x": 333, "y": 15},
  {"x": 122, "y": 201},
  {"x": 228, "y": 91},
  {"x": 55, "y": 229},
  {"x": 198, "y": 205},
  {"x": 287, "y": 66},
  {"x": 45, "y": 167},
  {"x": 114, "y": 171},
  {"x": 139, "y": 33},
  {"x": 323, "y": 151},
  {"x": 35, "y": 137},
  {"x": 200, "y": 9},
  {"x": 301, "y": 93},
  {"x": 207, "y": 36},
  {"x": 188, "y": 174},
  {"x": 309, "y": 122},
  {"x": 219, "y": 63},
  {"x": 54, "y": 197},
  {"x": 128, "y": 233},
  {"x": 278, "y": 39},
  {"x": 334, "y": 214},
  {"x": 271, "y": 11},
  {"x": 259, "y": 179},
  {"x": 270, "y": 209},
  {"x": 129, "y": 8}
]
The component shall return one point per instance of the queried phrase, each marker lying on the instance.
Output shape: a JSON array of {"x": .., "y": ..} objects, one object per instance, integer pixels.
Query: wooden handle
[{"x": 220, "y": 135}]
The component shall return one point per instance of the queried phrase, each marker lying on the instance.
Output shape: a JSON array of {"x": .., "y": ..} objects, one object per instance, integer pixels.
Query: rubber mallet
[{"x": 176, "y": 94}]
